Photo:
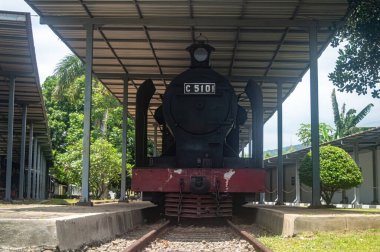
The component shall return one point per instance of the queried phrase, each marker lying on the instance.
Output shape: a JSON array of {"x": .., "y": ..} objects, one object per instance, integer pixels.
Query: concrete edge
[
  {"x": 72, "y": 233},
  {"x": 288, "y": 225}
]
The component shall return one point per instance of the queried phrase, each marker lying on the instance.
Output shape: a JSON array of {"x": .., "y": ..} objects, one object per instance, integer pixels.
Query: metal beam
[
  {"x": 280, "y": 166},
  {"x": 356, "y": 199},
  {"x": 11, "y": 108},
  {"x": 85, "y": 199},
  {"x": 34, "y": 168},
  {"x": 272, "y": 79},
  {"x": 316, "y": 195},
  {"x": 154, "y": 53},
  {"x": 124, "y": 141},
  {"x": 22, "y": 152},
  {"x": 185, "y": 21},
  {"x": 38, "y": 171},
  {"x": 30, "y": 160},
  {"x": 298, "y": 183},
  {"x": 374, "y": 177},
  {"x": 155, "y": 125}
]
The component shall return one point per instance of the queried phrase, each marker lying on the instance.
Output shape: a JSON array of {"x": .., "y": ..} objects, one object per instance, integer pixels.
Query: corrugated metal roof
[
  {"x": 17, "y": 58},
  {"x": 147, "y": 39}
]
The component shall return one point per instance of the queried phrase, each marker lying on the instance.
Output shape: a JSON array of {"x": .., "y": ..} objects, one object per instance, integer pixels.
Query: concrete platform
[
  {"x": 289, "y": 221},
  {"x": 67, "y": 227}
]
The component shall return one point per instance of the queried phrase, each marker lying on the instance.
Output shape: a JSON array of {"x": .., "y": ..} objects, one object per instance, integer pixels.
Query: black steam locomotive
[{"x": 199, "y": 173}]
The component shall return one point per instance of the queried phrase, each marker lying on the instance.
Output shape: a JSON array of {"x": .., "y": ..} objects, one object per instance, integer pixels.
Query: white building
[{"x": 368, "y": 159}]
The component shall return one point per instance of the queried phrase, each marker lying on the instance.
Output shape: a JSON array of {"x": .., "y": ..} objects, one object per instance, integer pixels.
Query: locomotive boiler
[{"x": 199, "y": 173}]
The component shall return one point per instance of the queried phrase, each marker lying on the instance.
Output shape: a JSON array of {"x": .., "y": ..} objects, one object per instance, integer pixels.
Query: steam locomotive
[{"x": 199, "y": 173}]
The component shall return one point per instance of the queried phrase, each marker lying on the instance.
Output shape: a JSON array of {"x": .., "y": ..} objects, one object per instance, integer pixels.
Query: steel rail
[
  {"x": 139, "y": 244},
  {"x": 250, "y": 238}
]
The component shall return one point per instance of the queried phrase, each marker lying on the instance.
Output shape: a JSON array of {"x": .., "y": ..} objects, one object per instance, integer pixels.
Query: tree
[
  {"x": 326, "y": 133},
  {"x": 66, "y": 72},
  {"x": 358, "y": 65},
  {"x": 337, "y": 171},
  {"x": 345, "y": 122},
  {"x": 105, "y": 165},
  {"x": 64, "y": 98}
]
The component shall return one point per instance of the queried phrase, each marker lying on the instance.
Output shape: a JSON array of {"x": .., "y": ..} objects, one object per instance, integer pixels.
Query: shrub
[{"x": 337, "y": 171}]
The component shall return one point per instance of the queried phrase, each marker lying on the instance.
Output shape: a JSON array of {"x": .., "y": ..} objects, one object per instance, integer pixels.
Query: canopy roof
[
  {"x": 17, "y": 58},
  {"x": 267, "y": 41},
  {"x": 365, "y": 140}
]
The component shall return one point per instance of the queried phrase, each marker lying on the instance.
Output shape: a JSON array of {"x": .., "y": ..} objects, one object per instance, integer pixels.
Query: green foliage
[
  {"x": 64, "y": 98},
  {"x": 326, "y": 133},
  {"x": 358, "y": 65},
  {"x": 336, "y": 241},
  {"x": 105, "y": 165},
  {"x": 67, "y": 71},
  {"x": 345, "y": 122},
  {"x": 337, "y": 171}
]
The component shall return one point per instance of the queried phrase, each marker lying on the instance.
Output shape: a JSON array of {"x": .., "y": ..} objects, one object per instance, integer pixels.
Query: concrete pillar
[
  {"x": 30, "y": 162},
  {"x": 22, "y": 152},
  {"x": 313, "y": 48},
  {"x": 124, "y": 141},
  {"x": 85, "y": 199},
  {"x": 280, "y": 166},
  {"x": 34, "y": 184},
  {"x": 11, "y": 107}
]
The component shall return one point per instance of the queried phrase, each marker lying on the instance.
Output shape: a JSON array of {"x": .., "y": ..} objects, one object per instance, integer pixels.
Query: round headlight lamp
[{"x": 200, "y": 54}]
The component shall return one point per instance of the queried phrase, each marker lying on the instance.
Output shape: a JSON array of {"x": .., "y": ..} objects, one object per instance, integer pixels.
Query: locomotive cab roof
[{"x": 200, "y": 53}]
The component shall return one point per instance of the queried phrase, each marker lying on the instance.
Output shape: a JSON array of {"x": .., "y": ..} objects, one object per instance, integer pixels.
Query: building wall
[{"x": 366, "y": 188}]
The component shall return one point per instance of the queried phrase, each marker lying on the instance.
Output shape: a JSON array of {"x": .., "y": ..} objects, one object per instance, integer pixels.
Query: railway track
[{"x": 221, "y": 236}]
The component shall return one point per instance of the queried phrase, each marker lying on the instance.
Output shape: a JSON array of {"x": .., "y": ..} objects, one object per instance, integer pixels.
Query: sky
[{"x": 296, "y": 108}]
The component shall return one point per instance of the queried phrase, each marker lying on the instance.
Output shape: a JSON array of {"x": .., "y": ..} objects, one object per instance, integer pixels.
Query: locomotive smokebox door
[{"x": 199, "y": 185}]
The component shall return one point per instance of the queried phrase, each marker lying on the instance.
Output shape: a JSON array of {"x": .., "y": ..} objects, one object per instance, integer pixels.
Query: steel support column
[
  {"x": 250, "y": 142},
  {"x": 38, "y": 171},
  {"x": 374, "y": 176},
  {"x": 313, "y": 48},
  {"x": 155, "y": 125},
  {"x": 87, "y": 115},
  {"x": 356, "y": 200},
  {"x": 298, "y": 184},
  {"x": 30, "y": 162},
  {"x": 22, "y": 153},
  {"x": 280, "y": 166},
  {"x": 11, "y": 107},
  {"x": 34, "y": 184},
  {"x": 124, "y": 141},
  {"x": 43, "y": 190}
]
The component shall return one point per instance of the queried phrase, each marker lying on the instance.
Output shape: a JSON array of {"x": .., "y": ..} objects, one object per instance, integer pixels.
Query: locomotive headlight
[{"x": 200, "y": 54}]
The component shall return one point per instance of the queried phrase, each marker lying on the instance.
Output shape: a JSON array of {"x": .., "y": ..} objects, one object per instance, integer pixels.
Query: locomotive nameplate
[{"x": 199, "y": 88}]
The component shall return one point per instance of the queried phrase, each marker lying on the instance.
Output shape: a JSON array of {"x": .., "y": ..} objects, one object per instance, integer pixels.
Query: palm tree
[
  {"x": 345, "y": 122},
  {"x": 66, "y": 71}
]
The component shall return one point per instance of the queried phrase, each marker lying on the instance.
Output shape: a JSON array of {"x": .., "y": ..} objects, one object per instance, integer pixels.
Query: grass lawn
[
  {"x": 73, "y": 201},
  {"x": 59, "y": 202},
  {"x": 365, "y": 240},
  {"x": 361, "y": 210}
]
